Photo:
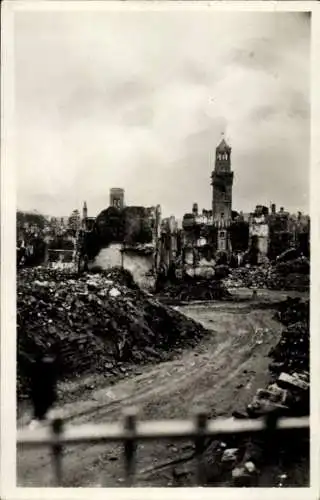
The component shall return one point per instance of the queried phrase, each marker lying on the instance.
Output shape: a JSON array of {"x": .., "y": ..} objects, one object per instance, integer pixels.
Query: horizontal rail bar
[
  {"x": 148, "y": 431},
  {"x": 59, "y": 250}
]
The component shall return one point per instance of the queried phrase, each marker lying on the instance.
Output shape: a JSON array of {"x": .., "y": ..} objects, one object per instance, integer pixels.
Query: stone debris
[
  {"x": 267, "y": 401},
  {"x": 230, "y": 455},
  {"x": 114, "y": 292},
  {"x": 102, "y": 320},
  {"x": 292, "y": 351},
  {"x": 298, "y": 381},
  {"x": 244, "y": 475},
  {"x": 194, "y": 288},
  {"x": 96, "y": 322},
  {"x": 292, "y": 275},
  {"x": 287, "y": 394},
  {"x": 290, "y": 391},
  {"x": 293, "y": 310},
  {"x": 250, "y": 467}
]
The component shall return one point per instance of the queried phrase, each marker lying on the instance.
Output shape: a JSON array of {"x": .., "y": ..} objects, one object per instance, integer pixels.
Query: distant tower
[
  {"x": 84, "y": 215},
  {"x": 84, "y": 210},
  {"x": 117, "y": 198},
  {"x": 222, "y": 181}
]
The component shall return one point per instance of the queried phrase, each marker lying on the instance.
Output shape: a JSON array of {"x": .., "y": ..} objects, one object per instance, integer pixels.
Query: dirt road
[{"x": 222, "y": 374}]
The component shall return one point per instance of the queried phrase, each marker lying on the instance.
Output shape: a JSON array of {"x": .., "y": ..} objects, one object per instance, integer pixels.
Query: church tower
[{"x": 222, "y": 181}]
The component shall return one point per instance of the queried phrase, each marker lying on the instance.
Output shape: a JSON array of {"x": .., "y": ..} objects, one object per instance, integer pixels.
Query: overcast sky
[{"x": 139, "y": 100}]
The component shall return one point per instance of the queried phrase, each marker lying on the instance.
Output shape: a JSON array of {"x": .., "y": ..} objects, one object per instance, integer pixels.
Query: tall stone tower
[{"x": 222, "y": 181}]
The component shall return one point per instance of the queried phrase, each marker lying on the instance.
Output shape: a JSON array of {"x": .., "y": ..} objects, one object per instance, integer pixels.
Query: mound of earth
[{"x": 94, "y": 322}]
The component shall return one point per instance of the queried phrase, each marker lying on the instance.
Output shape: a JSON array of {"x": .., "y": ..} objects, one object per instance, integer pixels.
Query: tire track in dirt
[
  {"x": 114, "y": 409},
  {"x": 169, "y": 390}
]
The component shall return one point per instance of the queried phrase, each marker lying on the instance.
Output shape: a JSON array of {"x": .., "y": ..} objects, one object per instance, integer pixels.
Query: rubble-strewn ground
[
  {"x": 193, "y": 289},
  {"x": 292, "y": 275},
  {"x": 221, "y": 373}
]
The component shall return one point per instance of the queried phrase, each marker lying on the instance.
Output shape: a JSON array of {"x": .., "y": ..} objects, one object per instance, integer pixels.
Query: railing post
[
  {"x": 130, "y": 445},
  {"x": 271, "y": 422},
  {"x": 261, "y": 453},
  {"x": 57, "y": 428},
  {"x": 201, "y": 418}
]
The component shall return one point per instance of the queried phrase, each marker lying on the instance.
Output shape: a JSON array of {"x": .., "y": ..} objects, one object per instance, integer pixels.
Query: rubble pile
[
  {"x": 292, "y": 275},
  {"x": 293, "y": 310},
  {"x": 288, "y": 392},
  {"x": 248, "y": 277},
  {"x": 292, "y": 351},
  {"x": 118, "y": 275},
  {"x": 95, "y": 322},
  {"x": 194, "y": 288},
  {"x": 241, "y": 461}
]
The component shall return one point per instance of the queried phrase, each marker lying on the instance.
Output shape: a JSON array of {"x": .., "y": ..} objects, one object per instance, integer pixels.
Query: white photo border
[{"x": 9, "y": 491}]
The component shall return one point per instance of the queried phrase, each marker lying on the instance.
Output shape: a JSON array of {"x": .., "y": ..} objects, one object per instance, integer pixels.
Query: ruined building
[
  {"x": 222, "y": 181},
  {"x": 87, "y": 223},
  {"x": 259, "y": 231},
  {"x": 117, "y": 198}
]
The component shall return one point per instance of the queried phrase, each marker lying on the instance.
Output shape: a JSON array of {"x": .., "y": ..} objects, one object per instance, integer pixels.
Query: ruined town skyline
[
  {"x": 200, "y": 207},
  {"x": 143, "y": 108},
  {"x": 221, "y": 196}
]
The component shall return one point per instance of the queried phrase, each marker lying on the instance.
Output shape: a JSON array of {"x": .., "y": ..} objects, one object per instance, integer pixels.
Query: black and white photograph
[{"x": 162, "y": 230}]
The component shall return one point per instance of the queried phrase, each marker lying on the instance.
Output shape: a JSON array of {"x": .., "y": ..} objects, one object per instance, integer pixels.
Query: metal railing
[{"x": 131, "y": 431}]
